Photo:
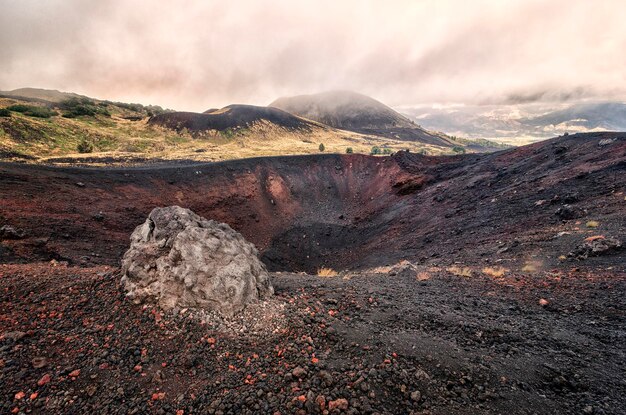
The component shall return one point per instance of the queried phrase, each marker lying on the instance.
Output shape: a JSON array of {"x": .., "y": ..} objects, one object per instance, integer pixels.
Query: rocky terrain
[{"x": 488, "y": 284}]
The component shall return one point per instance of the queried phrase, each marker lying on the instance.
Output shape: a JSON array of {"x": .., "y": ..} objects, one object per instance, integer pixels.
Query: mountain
[
  {"x": 587, "y": 116},
  {"x": 351, "y": 111},
  {"x": 522, "y": 122},
  {"x": 232, "y": 117},
  {"x": 45, "y": 126},
  {"x": 39, "y": 94}
]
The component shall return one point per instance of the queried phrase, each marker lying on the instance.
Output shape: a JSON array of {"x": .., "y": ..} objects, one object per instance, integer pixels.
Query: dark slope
[
  {"x": 338, "y": 210},
  {"x": 356, "y": 112},
  {"x": 232, "y": 116}
]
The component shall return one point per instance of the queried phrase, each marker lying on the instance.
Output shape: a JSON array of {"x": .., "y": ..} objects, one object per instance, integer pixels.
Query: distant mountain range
[{"x": 521, "y": 123}]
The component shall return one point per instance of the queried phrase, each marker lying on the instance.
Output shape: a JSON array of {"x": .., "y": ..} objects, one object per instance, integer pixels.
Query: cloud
[{"x": 198, "y": 54}]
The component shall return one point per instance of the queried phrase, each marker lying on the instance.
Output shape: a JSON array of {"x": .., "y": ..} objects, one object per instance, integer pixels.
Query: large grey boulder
[{"x": 179, "y": 259}]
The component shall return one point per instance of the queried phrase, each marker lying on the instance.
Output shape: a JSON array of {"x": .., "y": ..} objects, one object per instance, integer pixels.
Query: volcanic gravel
[{"x": 422, "y": 341}]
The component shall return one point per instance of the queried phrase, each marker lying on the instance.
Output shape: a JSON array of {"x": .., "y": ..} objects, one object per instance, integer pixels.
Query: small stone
[
  {"x": 341, "y": 404},
  {"x": 298, "y": 372},
  {"x": 543, "y": 302},
  {"x": 416, "y": 396},
  {"x": 39, "y": 362},
  {"x": 321, "y": 402},
  {"x": 74, "y": 373},
  {"x": 14, "y": 335},
  {"x": 91, "y": 390},
  {"x": 44, "y": 380},
  {"x": 325, "y": 377}
]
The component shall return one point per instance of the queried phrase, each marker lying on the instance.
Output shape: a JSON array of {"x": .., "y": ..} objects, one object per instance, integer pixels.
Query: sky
[{"x": 195, "y": 55}]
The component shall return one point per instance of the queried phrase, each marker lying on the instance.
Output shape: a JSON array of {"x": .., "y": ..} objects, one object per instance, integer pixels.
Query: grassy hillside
[{"x": 74, "y": 129}]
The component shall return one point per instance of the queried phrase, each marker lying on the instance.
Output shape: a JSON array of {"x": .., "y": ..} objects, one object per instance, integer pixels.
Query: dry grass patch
[
  {"x": 327, "y": 272},
  {"x": 460, "y": 271},
  {"x": 495, "y": 271},
  {"x": 532, "y": 266},
  {"x": 422, "y": 276}
]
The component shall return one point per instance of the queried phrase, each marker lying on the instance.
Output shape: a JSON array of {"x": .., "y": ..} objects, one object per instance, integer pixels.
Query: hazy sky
[{"x": 194, "y": 55}]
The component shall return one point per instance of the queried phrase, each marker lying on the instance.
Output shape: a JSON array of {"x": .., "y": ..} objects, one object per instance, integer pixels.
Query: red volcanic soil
[
  {"x": 339, "y": 211},
  {"x": 543, "y": 336}
]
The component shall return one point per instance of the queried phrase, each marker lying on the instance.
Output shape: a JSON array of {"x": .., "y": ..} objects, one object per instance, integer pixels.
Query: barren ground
[{"x": 494, "y": 316}]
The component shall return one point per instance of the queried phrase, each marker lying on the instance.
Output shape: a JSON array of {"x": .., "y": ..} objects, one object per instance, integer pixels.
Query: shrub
[
  {"x": 85, "y": 146},
  {"x": 375, "y": 151},
  {"x": 387, "y": 151},
  {"x": 322, "y": 148},
  {"x": 349, "y": 150},
  {"x": 32, "y": 110},
  {"x": 458, "y": 150},
  {"x": 76, "y": 107},
  {"x": 4, "y": 112}
]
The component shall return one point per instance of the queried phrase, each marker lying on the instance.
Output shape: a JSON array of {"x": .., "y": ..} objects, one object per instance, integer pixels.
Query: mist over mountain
[
  {"x": 523, "y": 122},
  {"x": 356, "y": 112}
]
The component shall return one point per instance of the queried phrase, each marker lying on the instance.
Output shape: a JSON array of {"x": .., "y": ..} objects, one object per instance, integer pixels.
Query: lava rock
[
  {"x": 180, "y": 259},
  {"x": 568, "y": 212},
  {"x": 9, "y": 232},
  {"x": 596, "y": 246}
]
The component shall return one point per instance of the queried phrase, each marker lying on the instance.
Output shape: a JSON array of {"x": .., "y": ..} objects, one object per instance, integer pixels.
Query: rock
[
  {"x": 321, "y": 402},
  {"x": 416, "y": 396},
  {"x": 341, "y": 404},
  {"x": 99, "y": 217},
  {"x": 13, "y": 335},
  {"x": 298, "y": 372},
  {"x": 567, "y": 212},
  {"x": 404, "y": 269},
  {"x": 91, "y": 390},
  {"x": 325, "y": 377},
  {"x": 39, "y": 362},
  {"x": 44, "y": 380},
  {"x": 180, "y": 259},
  {"x": 596, "y": 246},
  {"x": 9, "y": 232}
]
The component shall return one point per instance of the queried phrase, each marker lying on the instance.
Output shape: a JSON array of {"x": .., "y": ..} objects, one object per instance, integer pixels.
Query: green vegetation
[
  {"x": 149, "y": 110},
  {"x": 4, "y": 112},
  {"x": 349, "y": 150},
  {"x": 322, "y": 148},
  {"x": 76, "y": 107},
  {"x": 377, "y": 151},
  {"x": 228, "y": 133},
  {"x": 458, "y": 150},
  {"x": 85, "y": 146},
  {"x": 32, "y": 110}
]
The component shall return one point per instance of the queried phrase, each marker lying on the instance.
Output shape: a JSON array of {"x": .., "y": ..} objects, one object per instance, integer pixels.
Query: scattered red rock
[{"x": 340, "y": 404}]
